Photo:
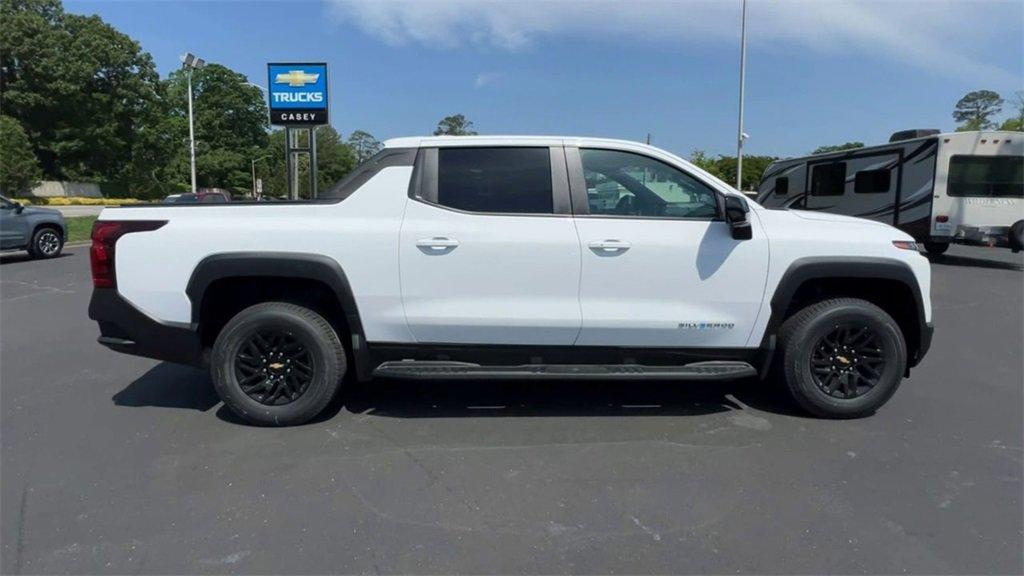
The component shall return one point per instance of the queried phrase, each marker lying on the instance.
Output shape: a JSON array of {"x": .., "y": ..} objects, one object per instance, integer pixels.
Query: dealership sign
[{"x": 298, "y": 93}]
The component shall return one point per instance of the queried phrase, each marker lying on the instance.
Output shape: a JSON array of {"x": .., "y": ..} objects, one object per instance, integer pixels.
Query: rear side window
[
  {"x": 872, "y": 181},
  {"x": 495, "y": 180},
  {"x": 986, "y": 176},
  {"x": 828, "y": 179}
]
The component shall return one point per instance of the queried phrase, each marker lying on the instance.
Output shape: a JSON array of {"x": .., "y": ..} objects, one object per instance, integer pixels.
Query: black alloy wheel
[
  {"x": 848, "y": 361},
  {"x": 273, "y": 367}
]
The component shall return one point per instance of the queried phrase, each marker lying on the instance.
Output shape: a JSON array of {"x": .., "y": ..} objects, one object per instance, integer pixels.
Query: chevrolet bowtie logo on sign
[
  {"x": 296, "y": 78},
  {"x": 298, "y": 93}
]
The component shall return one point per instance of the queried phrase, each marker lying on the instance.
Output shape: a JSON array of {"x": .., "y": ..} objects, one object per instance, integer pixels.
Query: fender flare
[
  {"x": 283, "y": 265},
  {"x": 824, "y": 267}
]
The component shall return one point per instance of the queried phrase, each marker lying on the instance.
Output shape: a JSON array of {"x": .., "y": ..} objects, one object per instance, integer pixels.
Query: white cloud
[
  {"x": 485, "y": 79},
  {"x": 941, "y": 36}
]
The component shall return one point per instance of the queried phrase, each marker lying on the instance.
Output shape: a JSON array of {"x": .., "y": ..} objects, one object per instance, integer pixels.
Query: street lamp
[
  {"x": 740, "y": 135},
  {"x": 254, "y": 161},
  {"x": 190, "y": 62}
]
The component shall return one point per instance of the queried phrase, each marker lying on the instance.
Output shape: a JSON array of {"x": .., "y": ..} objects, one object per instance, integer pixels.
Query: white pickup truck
[{"x": 517, "y": 258}]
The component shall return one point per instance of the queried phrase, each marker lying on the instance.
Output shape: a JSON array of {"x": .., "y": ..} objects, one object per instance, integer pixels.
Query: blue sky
[{"x": 818, "y": 71}]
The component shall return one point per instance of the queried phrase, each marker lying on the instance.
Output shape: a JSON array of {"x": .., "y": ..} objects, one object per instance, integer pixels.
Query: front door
[
  {"x": 489, "y": 253},
  {"x": 660, "y": 267},
  {"x": 12, "y": 226}
]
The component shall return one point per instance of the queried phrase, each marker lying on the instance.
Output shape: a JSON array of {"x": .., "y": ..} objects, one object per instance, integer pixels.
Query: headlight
[{"x": 906, "y": 245}]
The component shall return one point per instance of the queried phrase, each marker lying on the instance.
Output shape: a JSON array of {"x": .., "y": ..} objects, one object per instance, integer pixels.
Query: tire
[
  {"x": 1016, "y": 236},
  {"x": 47, "y": 242},
  {"x": 252, "y": 364},
  {"x": 936, "y": 248},
  {"x": 805, "y": 341}
]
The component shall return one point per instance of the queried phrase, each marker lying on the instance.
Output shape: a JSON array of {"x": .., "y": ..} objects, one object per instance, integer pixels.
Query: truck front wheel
[
  {"x": 842, "y": 358},
  {"x": 277, "y": 364}
]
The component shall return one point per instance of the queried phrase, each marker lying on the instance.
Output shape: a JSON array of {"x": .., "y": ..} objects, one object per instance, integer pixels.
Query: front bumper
[
  {"x": 924, "y": 344},
  {"x": 125, "y": 328}
]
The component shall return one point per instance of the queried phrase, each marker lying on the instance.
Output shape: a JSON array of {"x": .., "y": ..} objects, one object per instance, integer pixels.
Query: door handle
[
  {"x": 437, "y": 243},
  {"x": 609, "y": 245}
]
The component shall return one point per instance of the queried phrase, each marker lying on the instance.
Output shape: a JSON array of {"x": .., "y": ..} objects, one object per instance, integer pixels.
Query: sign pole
[
  {"x": 288, "y": 162},
  {"x": 312, "y": 162}
]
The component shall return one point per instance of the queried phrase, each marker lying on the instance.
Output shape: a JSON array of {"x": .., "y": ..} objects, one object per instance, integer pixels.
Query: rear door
[
  {"x": 660, "y": 266},
  {"x": 489, "y": 253}
]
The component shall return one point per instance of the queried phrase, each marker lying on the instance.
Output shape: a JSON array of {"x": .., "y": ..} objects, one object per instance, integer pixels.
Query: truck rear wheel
[
  {"x": 277, "y": 364},
  {"x": 842, "y": 358}
]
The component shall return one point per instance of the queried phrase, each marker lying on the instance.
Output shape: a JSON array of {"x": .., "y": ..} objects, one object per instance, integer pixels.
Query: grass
[{"x": 79, "y": 228}]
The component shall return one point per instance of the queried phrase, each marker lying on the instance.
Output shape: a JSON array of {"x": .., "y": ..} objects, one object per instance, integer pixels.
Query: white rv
[{"x": 962, "y": 187}]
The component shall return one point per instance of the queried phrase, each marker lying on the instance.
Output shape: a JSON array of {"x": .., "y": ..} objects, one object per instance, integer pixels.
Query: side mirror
[
  {"x": 18, "y": 207},
  {"x": 736, "y": 210}
]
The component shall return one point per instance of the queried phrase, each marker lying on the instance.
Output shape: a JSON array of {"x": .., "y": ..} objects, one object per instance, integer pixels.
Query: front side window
[
  {"x": 495, "y": 180},
  {"x": 627, "y": 184},
  {"x": 986, "y": 176},
  {"x": 828, "y": 179}
]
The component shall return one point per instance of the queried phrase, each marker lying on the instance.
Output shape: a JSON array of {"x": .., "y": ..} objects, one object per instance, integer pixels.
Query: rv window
[
  {"x": 872, "y": 181},
  {"x": 986, "y": 176},
  {"x": 782, "y": 186},
  {"x": 828, "y": 179}
]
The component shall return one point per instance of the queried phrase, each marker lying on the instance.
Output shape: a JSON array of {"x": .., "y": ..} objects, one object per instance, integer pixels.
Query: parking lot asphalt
[{"x": 115, "y": 464}]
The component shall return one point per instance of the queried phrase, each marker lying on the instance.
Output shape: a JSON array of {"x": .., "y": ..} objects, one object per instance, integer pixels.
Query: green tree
[
  {"x": 753, "y": 169},
  {"x": 724, "y": 167},
  {"x": 456, "y": 125},
  {"x": 335, "y": 159},
  {"x": 230, "y": 127},
  {"x": 975, "y": 110},
  {"x": 701, "y": 160},
  {"x": 19, "y": 168},
  {"x": 363, "y": 144},
  {"x": 838, "y": 147},
  {"x": 86, "y": 95},
  {"x": 1016, "y": 123}
]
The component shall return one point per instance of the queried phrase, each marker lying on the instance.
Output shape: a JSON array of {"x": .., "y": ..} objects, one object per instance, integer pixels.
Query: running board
[{"x": 445, "y": 370}]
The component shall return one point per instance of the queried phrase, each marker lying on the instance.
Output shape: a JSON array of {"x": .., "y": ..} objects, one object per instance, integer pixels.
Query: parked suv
[
  {"x": 513, "y": 258},
  {"x": 41, "y": 231}
]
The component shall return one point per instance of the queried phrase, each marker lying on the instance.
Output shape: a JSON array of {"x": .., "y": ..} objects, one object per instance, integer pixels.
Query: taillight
[
  {"x": 104, "y": 236},
  {"x": 942, "y": 218}
]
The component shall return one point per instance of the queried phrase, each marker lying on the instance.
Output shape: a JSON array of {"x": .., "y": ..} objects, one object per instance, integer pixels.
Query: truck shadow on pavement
[
  {"x": 971, "y": 262},
  {"x": 169, "y": 385}
]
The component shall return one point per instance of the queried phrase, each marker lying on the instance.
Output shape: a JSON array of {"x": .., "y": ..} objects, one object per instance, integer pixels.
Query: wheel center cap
[
  {"x": 843, "y": 360},
  {"x": 275, "y": 366}
]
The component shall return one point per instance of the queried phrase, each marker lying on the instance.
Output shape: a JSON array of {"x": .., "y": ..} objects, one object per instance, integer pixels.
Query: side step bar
[{"x": 444, "y": 370}]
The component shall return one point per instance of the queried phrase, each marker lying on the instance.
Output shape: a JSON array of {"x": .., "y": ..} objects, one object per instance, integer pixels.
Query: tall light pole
[
  {"x": 190, "y": 62},
  {"x": 740, "y": 135}
]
